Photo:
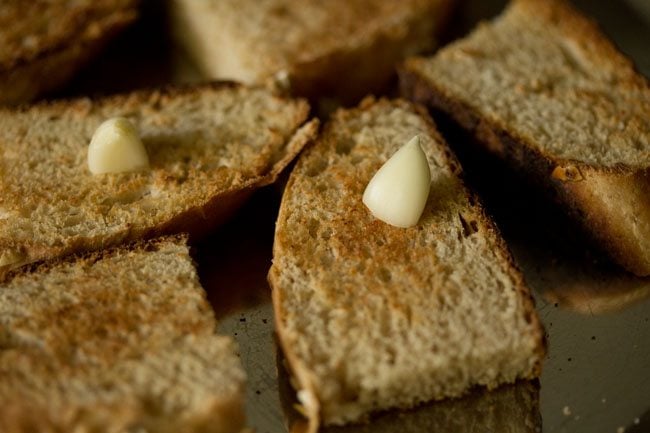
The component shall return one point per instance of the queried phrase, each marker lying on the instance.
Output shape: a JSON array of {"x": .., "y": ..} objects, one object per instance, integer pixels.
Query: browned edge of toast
[
  {"x": 44, "y": 266},
  {"x": 573, "y": 184},
  {"x": 301, "y": 373}
]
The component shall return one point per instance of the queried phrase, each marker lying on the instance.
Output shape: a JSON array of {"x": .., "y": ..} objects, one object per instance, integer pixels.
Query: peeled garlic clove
[
  {"x": 116, "y": 147},
  {"x": 399, "y": 190}
]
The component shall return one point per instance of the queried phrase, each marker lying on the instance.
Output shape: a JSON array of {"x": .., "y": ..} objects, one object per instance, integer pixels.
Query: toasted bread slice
[
  {"x": 543, "y": 88},
  {"x": 43, "y": 43},
  {"x": 209, "y": 147},
  {"x": 119, "y": 340},
  {"x": 341, "y": 49},
  {"x": 371, "y": 316}
]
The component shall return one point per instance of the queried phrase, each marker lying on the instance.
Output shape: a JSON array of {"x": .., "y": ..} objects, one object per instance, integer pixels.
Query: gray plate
[{"x": 596, "y": 377}]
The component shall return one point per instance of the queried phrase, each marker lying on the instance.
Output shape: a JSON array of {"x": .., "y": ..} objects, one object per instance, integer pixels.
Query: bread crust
[
  {"x": 26, "y": 75},
  {"x": 297, "y": 369},
  {"x": 610, "y": 203},
  {"x": 92, "y": 256},
  {"x": 197, "y": 220}
]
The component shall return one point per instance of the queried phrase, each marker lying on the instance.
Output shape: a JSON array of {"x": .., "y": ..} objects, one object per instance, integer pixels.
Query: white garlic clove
[
  {"x": 116, "y": 147},
  {"x": 399, "y": 190}
]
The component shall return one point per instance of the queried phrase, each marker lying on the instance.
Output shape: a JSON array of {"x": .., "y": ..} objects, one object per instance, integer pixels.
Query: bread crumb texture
[
  {"x": 547, "y": 74},
  {"x": 206, "y": 144},
  {"x": 121, "y": 340},
  {"x": 373, "y": 316}
]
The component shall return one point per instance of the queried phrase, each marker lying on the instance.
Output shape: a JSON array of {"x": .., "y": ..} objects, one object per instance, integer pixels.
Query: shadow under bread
[
  {"x": 466, "y": 15},
  {"x": 509, "y": 408},
  {"x": 233, "y": 262},
  {"x": 557, "y": 259}
]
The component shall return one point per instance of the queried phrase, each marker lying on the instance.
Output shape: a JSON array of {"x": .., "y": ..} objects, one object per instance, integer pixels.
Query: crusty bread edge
[
  {"x": 295, "y": 367},
  {"x": 25, "y": 79},
  {"x": 219, "y": 208},
  {"x": 197, "y": 221},
  {"x": 301, "y": 373},
  {"x": 573, "y": 183},
  {"x": 93, "y": 256}
]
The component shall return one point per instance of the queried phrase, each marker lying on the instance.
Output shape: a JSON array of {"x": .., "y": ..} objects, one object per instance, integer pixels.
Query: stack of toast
[{"x": 103, "y": 323}]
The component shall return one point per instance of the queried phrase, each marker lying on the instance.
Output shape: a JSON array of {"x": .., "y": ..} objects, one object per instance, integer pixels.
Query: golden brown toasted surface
[
  {"x": 546, "y": 74},
  {"x": 208, "y": 146},
  {"x": 545, "y": 89},
  {"x": 122, "y": 338},
  {"x": 371, "y": 316}
]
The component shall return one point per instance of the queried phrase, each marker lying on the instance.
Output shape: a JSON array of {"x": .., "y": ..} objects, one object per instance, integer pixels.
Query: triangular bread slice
[
  {"x": 371, "y": 316},
  {"x": 43, "y": 44},
  {"x": 119, "y": 340},
  {"x": 209, "y": 146},
  {"x": 543, "y": 88},
  {"x": 338, "y": 49}
]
